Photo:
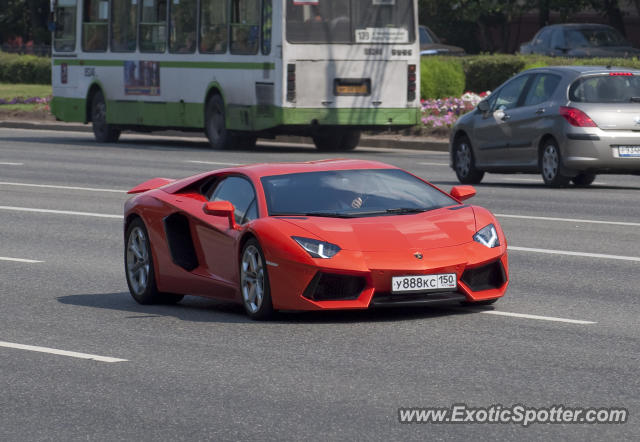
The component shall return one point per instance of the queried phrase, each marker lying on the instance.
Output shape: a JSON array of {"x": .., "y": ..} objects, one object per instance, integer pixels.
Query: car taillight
[
  {"x": 411, "y": 82},
  {"x": 620, "y": 74},
  {"x": 576, "y": 117},
  {"x": 291, "y": 82}
]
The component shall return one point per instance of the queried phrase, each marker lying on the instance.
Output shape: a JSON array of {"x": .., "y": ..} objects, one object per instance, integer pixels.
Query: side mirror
[
  {"x": 483, "y": 106},
  {"x": 221, "y": 208},
  {"x": 462, "y": 193}
]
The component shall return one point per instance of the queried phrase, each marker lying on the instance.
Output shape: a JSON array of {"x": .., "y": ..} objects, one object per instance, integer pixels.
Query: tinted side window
[
  {"x": 95, "y": 21},
  {"x": 542, "y": 89},
  {"x": 557, "y": 40},
  {"x": 239, "y": 192},
  {"x": 124, "y": 16},
  {"x": 182, "y": 19},
  {"x": 213, "y": 26},
  {"x": 508, "y": 96},
  {"x": 543, "y": 39},
  {"x": 153, "y": 26},
  {"x": 245, "y": 24}
]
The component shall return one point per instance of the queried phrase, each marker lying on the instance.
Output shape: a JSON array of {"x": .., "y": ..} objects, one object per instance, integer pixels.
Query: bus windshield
[{"x": 350, "y": 21}]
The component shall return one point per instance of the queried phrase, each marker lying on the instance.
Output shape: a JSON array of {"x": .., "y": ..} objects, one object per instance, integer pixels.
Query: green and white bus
[{"x": 237, "y": 69}]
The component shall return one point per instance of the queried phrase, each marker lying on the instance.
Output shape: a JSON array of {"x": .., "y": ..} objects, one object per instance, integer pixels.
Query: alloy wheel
[
  {"x": 252, "y": 279},
  {"x": 138, "y": 262}
]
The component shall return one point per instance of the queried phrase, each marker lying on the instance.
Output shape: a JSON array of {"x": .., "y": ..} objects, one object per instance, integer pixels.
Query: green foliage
[
  {"x": 441, "y": 77},
  {"x": 27, "y": 69},
  {"x": 485, "y": 72}
]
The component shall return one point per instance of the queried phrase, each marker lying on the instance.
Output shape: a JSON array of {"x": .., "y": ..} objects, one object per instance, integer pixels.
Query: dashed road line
[
  {"x": 27, "y": 261},
  {"x": 213, "y": 163},
  {"x": 570, "y": 253},
  {"x": 60, "y": 212},
  {"x": 538, "y": 317},
  {"x": 7, "y": 163},
  {"x": 570, "y": 220},
  {"x": 54, "y": 351},
  {"x": 51, "y": 186}
]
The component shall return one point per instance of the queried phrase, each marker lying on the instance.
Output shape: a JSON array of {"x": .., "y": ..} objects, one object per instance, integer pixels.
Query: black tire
[
  {"x": 551, "y": 165},
  {"x": 254, "y": 282},
  {"x": 584, "y": 179},
  {"x": 219, "y": 136},
  {"x": 102, "y": 131},
  {"x": 464, "y": 163},
  {"x": 336, "y": 140},
  {"x": 244, "y": 140},
  {"x": 139, "y": 270}
]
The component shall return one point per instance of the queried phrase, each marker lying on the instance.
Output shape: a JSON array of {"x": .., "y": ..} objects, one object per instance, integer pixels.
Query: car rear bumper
[
  {"x": 360, "y": 280},
  {"x": 598, "y": 151}
]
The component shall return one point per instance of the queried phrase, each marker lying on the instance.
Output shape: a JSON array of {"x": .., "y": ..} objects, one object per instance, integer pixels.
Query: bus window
[
  {"x": 124, "y": 17},
  {"x": 94, "y": 25},
  {"x": 153, "y": 26},
  {"x": 267, "y": 23},
  {"x": 245, "y": 25},
  {"x": 64, "y": 37},
  {"x": 182, "y": 19},
  {"x": 213, "y": 26}
]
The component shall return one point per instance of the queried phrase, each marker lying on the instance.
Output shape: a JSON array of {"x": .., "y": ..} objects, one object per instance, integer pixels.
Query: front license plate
[
  {"x": 629, "y": 151},
  {"x": 423, "y": 283}
]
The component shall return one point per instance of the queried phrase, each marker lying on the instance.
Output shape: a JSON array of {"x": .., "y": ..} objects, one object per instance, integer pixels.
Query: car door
[
  {"x": 530, "y": 120},
  {"x": 542, "y": 42},
  {"x": 492, "y": 133},
  {"x": 217, "y": 238}
]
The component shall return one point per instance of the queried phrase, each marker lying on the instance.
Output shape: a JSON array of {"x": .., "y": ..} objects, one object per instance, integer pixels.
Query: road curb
[{"x": 379, "y": 141}]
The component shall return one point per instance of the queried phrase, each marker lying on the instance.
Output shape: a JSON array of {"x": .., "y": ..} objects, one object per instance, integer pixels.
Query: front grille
[
  {"x": 415, "y": 299},
  {"x": 332, "y": 287},
  {"x": 490, "y": 276}
]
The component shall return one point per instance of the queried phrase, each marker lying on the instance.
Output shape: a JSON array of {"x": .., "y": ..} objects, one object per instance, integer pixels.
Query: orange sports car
[{"x": 322, "y": 235}]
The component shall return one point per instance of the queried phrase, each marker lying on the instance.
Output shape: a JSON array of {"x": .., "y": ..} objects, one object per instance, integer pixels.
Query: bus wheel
[
  {"x": 337, "y": 140},
  {"x": 102, "y": 131},
  {"x": 215, "y": 127}
]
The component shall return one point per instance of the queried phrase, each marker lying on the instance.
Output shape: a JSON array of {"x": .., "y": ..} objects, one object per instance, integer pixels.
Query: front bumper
[
  {"x": 367, "y": 277},
  {"x": 596, "y": 151}
]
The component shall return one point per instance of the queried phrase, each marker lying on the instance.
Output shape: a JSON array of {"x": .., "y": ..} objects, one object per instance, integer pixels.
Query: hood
[{"x": 429, "y": 230}]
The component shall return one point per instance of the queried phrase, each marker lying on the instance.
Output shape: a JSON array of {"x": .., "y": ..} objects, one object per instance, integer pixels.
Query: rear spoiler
[{"x": 153, "y": 183}]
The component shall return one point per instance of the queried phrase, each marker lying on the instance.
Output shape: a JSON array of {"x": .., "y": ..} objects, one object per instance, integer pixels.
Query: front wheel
[
  {"x": 254, "y": 282},
  {"x": 464, "y": 162},
  {"x": 551, "y": 166},
  {"x": 102, "y": 131},
  {"x": 215, "y": 124},
  {"x": 138, "y": 265}
]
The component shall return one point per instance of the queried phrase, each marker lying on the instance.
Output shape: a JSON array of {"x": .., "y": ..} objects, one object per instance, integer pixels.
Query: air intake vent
[
  {"x": 333, "y": 287},
  {"x": 490, "y": 276}
]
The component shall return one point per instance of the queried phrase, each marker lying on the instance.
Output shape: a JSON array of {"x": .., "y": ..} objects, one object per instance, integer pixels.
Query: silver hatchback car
[{"x": 568, "y": 123}]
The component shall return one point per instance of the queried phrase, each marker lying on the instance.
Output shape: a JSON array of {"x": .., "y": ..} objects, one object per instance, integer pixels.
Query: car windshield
[
  {"x": 427, "y": 37},
  {"x": 617, "y": 87},
  {"x": 350, "y": 21},
  {"x": 351, "y": 194},
  {"x": 594, "y": 37}
]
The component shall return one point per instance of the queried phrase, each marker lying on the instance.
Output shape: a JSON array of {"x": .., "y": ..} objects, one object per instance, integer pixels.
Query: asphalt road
[{"x": 202, "y": 370}]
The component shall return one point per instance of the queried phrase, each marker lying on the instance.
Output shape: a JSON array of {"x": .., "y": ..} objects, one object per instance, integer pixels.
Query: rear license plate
[
  {"x": 352, "y": 87},
  {"x": 629, "y": 151},
  {"x": 423, "y": 283}
]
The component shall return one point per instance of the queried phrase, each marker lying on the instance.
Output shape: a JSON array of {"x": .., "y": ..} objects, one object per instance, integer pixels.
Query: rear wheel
[
  {"x": 102, "y": 131},
  {"x": 254, "y": 282},
  {"x": 584, "y": 179},
  {"x": 464, "y": 162},
  {"x": 215, "y": 124},
  {"x": 551, "y": 165},
  {"x": 336, "y": 140},
  {"x": 138, "y": 265}
]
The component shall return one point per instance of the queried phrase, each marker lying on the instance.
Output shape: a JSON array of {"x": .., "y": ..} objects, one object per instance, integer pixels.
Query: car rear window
[{"x": 608, "y": 88}]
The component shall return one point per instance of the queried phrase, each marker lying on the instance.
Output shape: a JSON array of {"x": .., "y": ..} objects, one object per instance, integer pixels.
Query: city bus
[{"x": 237, "y": 69}]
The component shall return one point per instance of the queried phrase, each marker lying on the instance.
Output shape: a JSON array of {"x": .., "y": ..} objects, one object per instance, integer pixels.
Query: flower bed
[
  {"x": 438, "y": 116},
  {"x": 23, "y": 100}
]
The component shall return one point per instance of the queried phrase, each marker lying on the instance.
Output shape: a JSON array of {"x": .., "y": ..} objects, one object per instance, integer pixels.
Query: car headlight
[
  {"x": 317, "y": 249},
  {"x": 487, "y": 236}
]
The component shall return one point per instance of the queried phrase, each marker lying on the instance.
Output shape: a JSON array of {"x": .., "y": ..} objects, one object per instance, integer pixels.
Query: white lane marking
[
  {"x": 60, "y": 212},
  {"x": 424, "y": 163},
  {"x": 54, "y": 351},
  {"x": 578, "y": 221},
  {"x": 569, "y": 253},
  {"x": 5, "y": 163},
  {"x": 51, "y": 186},
  {"x": 540, "y": 318},
  {"x": 28, "y": 261},
  {"x": 214, "y": 163}
]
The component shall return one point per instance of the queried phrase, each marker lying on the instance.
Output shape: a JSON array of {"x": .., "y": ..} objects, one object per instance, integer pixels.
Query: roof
[
  {"x": 581, "y": 70},
  {"x": 266, "y": 169}
]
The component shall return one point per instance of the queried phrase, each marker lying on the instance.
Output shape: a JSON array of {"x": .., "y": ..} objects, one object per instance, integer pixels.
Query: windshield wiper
[
  {"x": 322, "y": 214},
  {"x": 406, "y": 210}
]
